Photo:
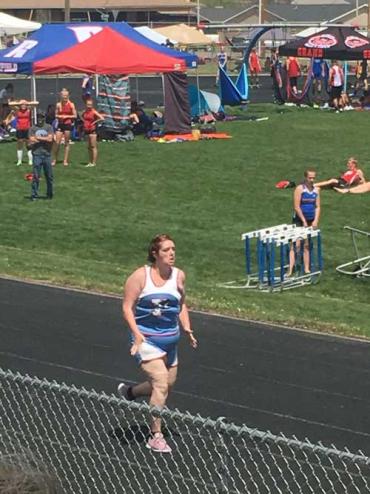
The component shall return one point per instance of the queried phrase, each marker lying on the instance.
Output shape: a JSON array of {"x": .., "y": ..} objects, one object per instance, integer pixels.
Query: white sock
[
  {"x": 30, "y": 160},
  {"x": 19, "y": 154}
]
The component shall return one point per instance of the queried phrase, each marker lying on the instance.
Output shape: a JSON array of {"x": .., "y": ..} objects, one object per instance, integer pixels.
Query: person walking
[
  {"x": 153, "y": 306},
  {"x": 66, "y": 114},
  {"x": 90, "y": 117},
  {"x": 307, "y": 211},
  {"x": 41, "y": 142}
]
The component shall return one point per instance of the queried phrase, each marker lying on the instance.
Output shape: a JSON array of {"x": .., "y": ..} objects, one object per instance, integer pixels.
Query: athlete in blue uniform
[
  {"x": 153, "y": 306},
  {"x": 306, "y": 213}
]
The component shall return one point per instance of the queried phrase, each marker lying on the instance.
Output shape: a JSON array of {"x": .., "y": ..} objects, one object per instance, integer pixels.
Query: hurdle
[
  {"x": 360, "y": 266},
  {"x": 267, "y": 254}
]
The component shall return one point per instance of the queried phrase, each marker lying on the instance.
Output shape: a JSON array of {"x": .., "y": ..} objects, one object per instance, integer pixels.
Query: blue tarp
[
  {"x": 51, "y": 39},
  {"x": 233, "y": 93}
]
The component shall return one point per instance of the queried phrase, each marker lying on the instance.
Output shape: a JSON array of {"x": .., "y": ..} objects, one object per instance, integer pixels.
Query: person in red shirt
[
  {"x": 90, "y": 117},
  {"x": 66, "y": 114},
  {"x": 351, "y": 177},
  {"x": 21, "y": 112},
  {"x": 294, "y": 71},
  {"x": 254, "y": 67}
]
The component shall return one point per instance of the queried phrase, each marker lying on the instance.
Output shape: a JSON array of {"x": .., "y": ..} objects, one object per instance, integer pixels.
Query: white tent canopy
[
  {"x": 10, "y": 25},
  {"x": 153, "y": 35}
]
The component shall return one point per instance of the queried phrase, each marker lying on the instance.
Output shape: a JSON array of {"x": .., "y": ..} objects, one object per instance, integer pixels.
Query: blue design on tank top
[
  {"x": 157, "y": 314},
  {"x": 308, "y": 203}
]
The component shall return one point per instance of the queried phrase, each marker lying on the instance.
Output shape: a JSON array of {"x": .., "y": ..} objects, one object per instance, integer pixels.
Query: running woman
[
  {"x": 306, "y": 213},
  {"x": 21, "y": 112},
  {"x": 153, "y": 306},
  {"x": 66, "y": 114},
  {"x": 90, "y": 118}
]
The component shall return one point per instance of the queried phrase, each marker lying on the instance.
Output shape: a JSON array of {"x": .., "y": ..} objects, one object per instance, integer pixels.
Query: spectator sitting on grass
[
  {"x": 142, "y": 123},
  {"x": 351, "y": 177}
]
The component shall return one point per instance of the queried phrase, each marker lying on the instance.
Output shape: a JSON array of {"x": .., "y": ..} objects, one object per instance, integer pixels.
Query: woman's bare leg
[{"x": 67, "y": 137}]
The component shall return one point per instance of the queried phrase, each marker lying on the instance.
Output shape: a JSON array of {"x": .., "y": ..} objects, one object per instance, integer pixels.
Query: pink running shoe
[{"x": 158, "y": 444}]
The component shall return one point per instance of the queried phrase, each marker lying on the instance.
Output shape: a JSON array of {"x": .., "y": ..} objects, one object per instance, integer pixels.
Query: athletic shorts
[
  {"x": 22, "y": 134},
  {"x": 293, "y": 81},
  {"x": 62, "y": 127},
  {"x": 157, "y": 347},
  {"x": 298, "y": 222},
  {"x": 89, "y": 132},
  {"x": 336, "y": 91}
]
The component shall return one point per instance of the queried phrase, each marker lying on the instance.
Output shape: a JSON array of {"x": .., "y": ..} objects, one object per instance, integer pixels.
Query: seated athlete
[{"x": 351, "y": 177}]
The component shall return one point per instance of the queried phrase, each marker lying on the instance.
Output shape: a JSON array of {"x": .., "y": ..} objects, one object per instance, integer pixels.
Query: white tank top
[
  {"x": 337, "y": 79},
  {"x": 170, "y": 286},
  {"x": 158, "y": 307}
]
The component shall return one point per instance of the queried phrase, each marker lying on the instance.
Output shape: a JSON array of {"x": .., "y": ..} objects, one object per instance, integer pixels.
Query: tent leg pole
[
  {"x": 96, "y": 85},
  {"x": 198, "y": 89},
  {"x": 137, "y": 88},
  {"x": 345, "y": 75},
  {"x": 33, "y": 96},
  {"x": 163, "y": 91},
  {"x": 56, "y": 87}
]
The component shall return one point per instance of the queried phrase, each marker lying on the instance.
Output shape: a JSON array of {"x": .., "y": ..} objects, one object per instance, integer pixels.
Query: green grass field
[{"x": 204, "y": 194}]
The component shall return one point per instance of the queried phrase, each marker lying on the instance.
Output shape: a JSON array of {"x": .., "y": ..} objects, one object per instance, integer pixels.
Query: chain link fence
[{"x": 91, "y": 442}]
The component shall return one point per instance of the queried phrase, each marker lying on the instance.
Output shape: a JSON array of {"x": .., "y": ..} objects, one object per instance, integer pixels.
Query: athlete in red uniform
[
  {"x": 90, "y": 118},
  {"x": 294, "y": 71},
  {"x": 66, "y": 113},
  {"x": 254, "y": 67},
  {"x": 21, "y": 112},
  {"x": 351, "y": 177}
]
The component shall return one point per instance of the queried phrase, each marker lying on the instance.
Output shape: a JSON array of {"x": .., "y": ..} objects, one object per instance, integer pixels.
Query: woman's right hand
[{"x": 139, "y": 339}]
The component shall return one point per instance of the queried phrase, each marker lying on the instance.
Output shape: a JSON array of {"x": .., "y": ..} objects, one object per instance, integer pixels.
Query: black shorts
[
  {"x": 62, "y": 127},
  {"x": 336, "y": 91},
  {"x": 90, "y": 132},
  {"x": 22, "y": 134},
  {"x": 293, "y": 81},
  {"x": 298, "y": 222}
]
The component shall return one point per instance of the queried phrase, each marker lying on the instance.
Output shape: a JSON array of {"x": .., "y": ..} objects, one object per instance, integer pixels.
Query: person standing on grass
[
  {"x": 90, "y": 117},
  {"x": 66, "y": 114},
  {"x": 306, "y": 204},
  {"x": 153, "y": 307},
  {"x": 41, "y": 143},
  {"x": 294, "y": 71},
  {"x": 254, "y": 67},
  {"x": 336, "y": 82},
  {"x": 21, "y": 112}
]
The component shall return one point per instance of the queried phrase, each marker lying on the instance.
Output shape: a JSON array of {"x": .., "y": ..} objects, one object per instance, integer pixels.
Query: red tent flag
[{"x": 109, "y": 52}]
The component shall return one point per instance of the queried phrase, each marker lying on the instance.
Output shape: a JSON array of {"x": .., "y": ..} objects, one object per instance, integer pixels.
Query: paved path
[{"x": 272, "y": 378}]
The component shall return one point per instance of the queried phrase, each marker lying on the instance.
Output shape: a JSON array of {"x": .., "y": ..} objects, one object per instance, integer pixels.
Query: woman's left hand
[{"x": 193, "y": 340}]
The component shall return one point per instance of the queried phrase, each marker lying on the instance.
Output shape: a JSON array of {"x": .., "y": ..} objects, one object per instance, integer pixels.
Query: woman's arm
[
  {"x": 74, "y": 111},
  {"x": 98, "y": 115},
  {"x": 361, "y": 177},
  {"x": 132, "y": 290},
  {"x": 317, "y": 211},
  {"x": 184, "y": 313},
  {"x": 297, "y": 204}
]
